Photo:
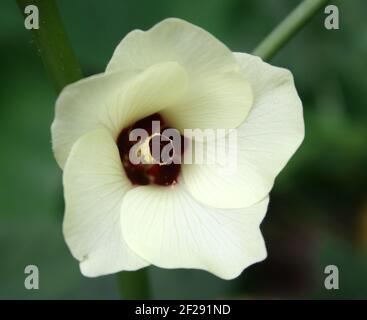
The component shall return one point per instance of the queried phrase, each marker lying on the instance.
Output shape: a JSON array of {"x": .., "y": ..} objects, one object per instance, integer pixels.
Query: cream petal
[
  {"x": 218, "y": 102},
  {"x": 218, "y": 95},
  {"x": 113, "y": 101},
  {"x": 173, "y": 39},
  {"x": 94, "y": 186},
  {"x": 269, "y": 136},
  {"x": 167, "y": 227}
]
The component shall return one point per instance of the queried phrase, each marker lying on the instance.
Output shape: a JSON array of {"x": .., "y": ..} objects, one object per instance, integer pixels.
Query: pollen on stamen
[{"x": 150, "y": 172}]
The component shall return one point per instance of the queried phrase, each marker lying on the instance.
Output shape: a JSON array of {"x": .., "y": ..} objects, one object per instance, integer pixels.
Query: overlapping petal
[
  {"x": 94, "y": 186},
  {"x": 170, "y": 229},
  {"x": 112, "y": 101},
  {"x": 267, "y": 139},
  {"x": 218, "y": 96}
]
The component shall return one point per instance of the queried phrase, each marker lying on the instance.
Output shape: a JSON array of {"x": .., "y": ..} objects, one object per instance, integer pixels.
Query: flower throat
[{"x": 151, "y": 170}]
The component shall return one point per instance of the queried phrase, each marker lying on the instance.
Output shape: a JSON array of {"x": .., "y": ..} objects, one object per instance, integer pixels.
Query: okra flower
[{"x": 122, "y": 216}]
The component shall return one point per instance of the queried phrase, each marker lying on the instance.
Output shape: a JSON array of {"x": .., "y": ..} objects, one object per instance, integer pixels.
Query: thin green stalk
[
  {"x": 53, "y": 44},
  {"x": 134, "y": 285},
  {"x": 288, "y": 28},
  {"x": 60, "y": 62}
]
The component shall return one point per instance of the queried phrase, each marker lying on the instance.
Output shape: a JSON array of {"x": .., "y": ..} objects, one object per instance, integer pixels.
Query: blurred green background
[{"x": 318, "y": 208}]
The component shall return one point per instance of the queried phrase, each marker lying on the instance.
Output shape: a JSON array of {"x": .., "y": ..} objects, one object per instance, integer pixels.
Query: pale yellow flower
[{"x": 202, "y": 217}]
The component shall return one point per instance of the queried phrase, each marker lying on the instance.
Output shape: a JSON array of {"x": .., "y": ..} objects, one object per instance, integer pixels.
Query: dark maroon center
[{"x": 143, "y": 174}]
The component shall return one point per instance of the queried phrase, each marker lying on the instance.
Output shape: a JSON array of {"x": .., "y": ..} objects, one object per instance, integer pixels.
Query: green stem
[
  {"x": 53, "y": 44},
  {"x": 60, "y": 62},
  {"x": 134, "y": 285},
  {"x": 288, "y": 28}
]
